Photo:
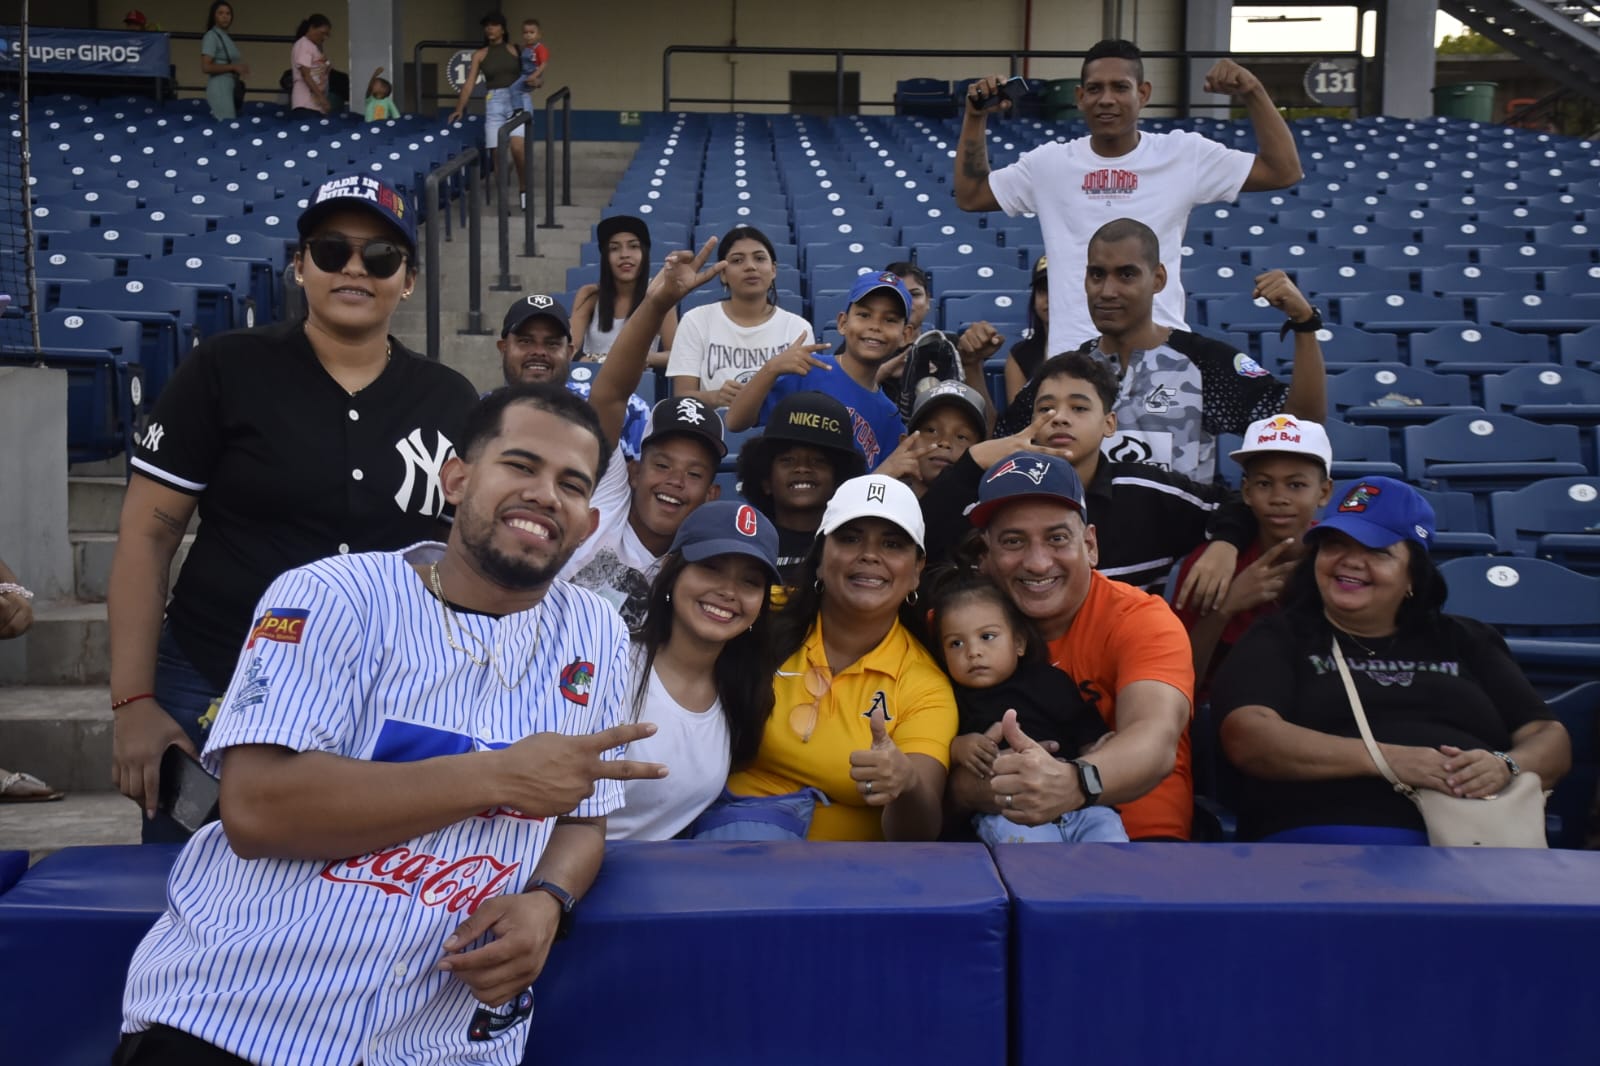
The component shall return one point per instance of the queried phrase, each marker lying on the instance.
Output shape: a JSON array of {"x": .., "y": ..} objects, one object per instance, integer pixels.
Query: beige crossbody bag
[{"x": 1510, "y": 819}]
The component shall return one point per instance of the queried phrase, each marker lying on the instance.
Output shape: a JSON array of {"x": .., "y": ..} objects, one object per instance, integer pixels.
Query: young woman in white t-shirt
[
  {"x": 699, "y": 667},
  {"x": 719, "y": 347}
]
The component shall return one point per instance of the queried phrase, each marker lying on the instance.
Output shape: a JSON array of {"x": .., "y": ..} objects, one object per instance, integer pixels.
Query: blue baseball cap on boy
[
  {"x": 867, "y": 284},
  {"x": 727, "y": 527},
  {"x": 1027, "y": 475},
  {"x": 362, "y": 192},
  {"x": 1378, "y": 512}
]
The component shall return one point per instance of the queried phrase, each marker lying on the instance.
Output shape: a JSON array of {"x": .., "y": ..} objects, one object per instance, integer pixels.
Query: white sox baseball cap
[{"x": 1286, "y": 433}]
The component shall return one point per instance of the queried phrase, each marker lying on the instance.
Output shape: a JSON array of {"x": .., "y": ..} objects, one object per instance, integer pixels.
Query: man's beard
[{"x": 505, "y": 570}]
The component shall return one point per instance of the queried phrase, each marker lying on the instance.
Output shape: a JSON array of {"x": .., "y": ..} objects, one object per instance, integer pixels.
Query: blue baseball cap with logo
[
  {"x": 867, "y": 284},
  {"x": 1378, "y": 512},
  {"x": 362, "y": 192},
  {"x": 728, "y": 527},
  {"x": 1023, "y": 476}
]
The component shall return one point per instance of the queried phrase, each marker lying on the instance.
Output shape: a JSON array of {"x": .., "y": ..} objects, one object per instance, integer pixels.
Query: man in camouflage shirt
[{"x": 1178, "y": 390}]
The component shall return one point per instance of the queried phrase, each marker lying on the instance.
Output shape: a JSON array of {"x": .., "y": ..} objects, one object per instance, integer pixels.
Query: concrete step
[
  {"x": 91, "y": 563},
  {"x": 94, "y": 503},
  {"x": 69, "y": 644},
  {"x": 59, "y": 733},
  {"x": 81, "y": 819}
]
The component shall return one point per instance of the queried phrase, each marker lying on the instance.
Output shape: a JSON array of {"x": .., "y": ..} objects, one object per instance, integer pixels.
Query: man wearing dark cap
[
  {"x": 536, "y": 345},
  {"x": 1126, "y": 650},
  {"x": 642, "y": 504},
  {"x": 789, "y": 473}
]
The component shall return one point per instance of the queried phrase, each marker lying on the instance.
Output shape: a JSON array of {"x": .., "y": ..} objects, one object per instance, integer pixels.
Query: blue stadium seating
[
  {"x": 1475, "y": 350},
  {"x": 1578, "y": 708},
  {"x": 1548, "y": 312},
  {"x": 1401, "y": 312},
  {"x": 1393, "y": 394},
  {"x": 1487, "y": 452},
  {"x": 1556, "y": 519},
  {"x": 1580, "y": 349},
  {"x": 1565, "y": 395},
  {"x": 1527, "y": 598}
]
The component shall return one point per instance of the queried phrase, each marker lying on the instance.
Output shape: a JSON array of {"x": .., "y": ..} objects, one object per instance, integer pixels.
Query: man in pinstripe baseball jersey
[{"x": 417, "y": 754}]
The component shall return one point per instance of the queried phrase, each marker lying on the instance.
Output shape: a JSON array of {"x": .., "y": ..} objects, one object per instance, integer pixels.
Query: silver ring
[
  {"x": 1008, "y": 799},
  {"x": 869, "y": 788}
]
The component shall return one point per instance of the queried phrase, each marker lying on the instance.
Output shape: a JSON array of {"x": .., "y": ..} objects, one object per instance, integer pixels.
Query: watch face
[{"x": 1089, "y": 779}]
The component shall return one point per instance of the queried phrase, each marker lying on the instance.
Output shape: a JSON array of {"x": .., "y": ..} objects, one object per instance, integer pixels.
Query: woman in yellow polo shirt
[{"x": 862, "y": 711}]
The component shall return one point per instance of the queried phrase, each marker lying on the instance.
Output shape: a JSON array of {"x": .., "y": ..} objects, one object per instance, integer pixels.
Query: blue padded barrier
[
  {"x": 695, "y": 929},
  {"x": 1280, "y": 953},
  {"x": 76, "y": 917},
  {"x": 13, "y": 864},
  {"x": 754, "y": 953}
]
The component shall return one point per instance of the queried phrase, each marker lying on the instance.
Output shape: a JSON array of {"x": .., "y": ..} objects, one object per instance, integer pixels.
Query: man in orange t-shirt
[{"x": 1126, "y": 650}]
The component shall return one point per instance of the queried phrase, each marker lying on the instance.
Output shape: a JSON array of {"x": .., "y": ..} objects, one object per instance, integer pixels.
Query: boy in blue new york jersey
[{"x": 873, "y": 325}]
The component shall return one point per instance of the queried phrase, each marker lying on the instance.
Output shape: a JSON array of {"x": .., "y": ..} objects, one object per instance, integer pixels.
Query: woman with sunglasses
[
  {"x": 696, "y": 673},
  {"x": 293, "y": 441},
  {"x": 862, "y": 712}
]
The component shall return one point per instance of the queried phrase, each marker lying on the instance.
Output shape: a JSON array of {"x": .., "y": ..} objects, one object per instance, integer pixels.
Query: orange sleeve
[{"x": 1155, "y": 647}]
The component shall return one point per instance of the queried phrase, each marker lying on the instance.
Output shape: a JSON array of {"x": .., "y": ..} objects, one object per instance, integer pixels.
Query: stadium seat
[
  {"x": 111, "y": 243},
  {"x": 1565, "y": 395},
  {"x": 1467, "y": 349},
  {"x": 979, "y": 277},
  {"x": 1334, "y": 282},
  {"x": 1546, "y": 312},
  {"x": 1242, "y": 313},
  {"x": 1574, "y": 280},
  {"x": 165, "y": 313},
  {"x": 1005, "y": 312},
  {"x": 105, "y": 380},
  {"x": 55, "y": 269},
  {"x": 223, "y": 298},
  {"x": 1534, "y": 257},
  {"x": 1578, "y": 709},
  {"x": 1487, "y": 452},
  {"x": 1393, "y": 394},
  {"x": 1342, "y": 347},
  {"x": 1469, "y": 280},
  {"x": 1526, "y": 597},
  {"x": 1396, "y": 312},
  {"x": 1556, "y": 519},
  {"x": 1581, "y": 349},
  {"x": 1460, "y": 529}
]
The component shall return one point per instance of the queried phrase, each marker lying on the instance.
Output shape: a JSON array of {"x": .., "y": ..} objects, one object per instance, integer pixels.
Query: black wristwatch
[
  {"x": 1089, "y": 782},
  {"x": 563, "y": 897},
  {"x": 1310, "y": 325},
  {"x": 1511, "y": 764}
]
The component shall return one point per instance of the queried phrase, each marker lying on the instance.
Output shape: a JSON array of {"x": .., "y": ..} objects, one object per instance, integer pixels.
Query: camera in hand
[{"x": 1012, "y": 89}]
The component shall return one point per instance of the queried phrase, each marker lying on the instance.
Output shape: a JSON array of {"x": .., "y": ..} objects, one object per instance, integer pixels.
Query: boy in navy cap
[
  {"x": 790, "y": 472},
  {"x": 873, "y": 327}
]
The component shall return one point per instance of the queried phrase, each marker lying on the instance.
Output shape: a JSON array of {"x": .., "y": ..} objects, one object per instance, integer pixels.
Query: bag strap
[{"x": 1361, "y": 723}]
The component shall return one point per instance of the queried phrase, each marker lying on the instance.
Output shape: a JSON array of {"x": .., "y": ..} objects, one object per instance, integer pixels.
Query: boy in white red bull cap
[{"x": 1288, "y": 478}]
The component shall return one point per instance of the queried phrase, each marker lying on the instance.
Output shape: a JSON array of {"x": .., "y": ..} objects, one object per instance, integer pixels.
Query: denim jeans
[
  {"x": 1088, "y": 826},
  {"x": 192, "y": 702}
]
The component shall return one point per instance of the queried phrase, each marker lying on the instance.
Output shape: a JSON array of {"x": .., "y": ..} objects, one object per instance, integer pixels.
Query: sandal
[{"x": 25, "y": 788}]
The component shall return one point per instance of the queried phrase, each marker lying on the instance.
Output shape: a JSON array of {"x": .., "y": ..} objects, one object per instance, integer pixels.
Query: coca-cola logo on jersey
[{"x": 458, "y": 885}]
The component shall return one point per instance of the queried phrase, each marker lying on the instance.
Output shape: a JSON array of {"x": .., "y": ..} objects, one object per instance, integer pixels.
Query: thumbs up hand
[
  {"x": 1030, "y": 787},
  {"x": 882, "y": 772}
]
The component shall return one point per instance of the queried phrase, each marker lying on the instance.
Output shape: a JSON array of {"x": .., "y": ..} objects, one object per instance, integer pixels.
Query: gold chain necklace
[{"x": 490, "y": 658}]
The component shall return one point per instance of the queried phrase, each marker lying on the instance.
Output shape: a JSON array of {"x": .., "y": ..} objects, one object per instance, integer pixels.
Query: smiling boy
[{"x": 873, "y": 326}]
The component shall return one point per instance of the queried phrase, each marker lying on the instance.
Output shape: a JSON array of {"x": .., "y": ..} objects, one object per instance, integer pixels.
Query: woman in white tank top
[
  {"x": 598, "y": 311},
  {"x": 699, "y": 667}
]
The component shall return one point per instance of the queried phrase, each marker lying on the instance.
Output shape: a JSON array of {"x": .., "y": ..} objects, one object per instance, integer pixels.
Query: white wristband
[{"x": 15, "y": 589}]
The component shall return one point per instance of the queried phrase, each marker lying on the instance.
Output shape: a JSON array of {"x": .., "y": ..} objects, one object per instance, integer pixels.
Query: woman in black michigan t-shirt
[
  {"x": 1450, "y": 708},
  {"x": 294, "y": 441}
]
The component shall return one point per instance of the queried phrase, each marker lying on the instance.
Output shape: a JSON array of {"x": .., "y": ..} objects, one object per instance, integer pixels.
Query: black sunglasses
[{"x": 381, "y": 258}]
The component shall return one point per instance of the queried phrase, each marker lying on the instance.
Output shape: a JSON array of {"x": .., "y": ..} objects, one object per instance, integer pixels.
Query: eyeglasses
[
  {"x": 803, "y": 717},
  {"x": 487, "y": 1022},
  {"x": 381, "y": 258}
]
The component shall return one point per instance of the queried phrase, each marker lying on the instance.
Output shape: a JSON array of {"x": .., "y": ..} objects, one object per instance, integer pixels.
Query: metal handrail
[
  {"x": 417, "y": 96},
  {"x": 563, "y": 96},
  {"x": 520, "y": 120},
  {"x": 1015, "y": 57},
  {"x": 467, "y": 161}
]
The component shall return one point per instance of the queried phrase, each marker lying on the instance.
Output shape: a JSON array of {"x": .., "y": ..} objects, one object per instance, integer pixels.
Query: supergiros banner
[{"x": 116, "y": 53}]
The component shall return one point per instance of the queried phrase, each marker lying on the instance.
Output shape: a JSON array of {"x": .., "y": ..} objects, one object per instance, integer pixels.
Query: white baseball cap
[
  {"x": 874, "y": 496},
  {"x": 1287, "y": 434}
]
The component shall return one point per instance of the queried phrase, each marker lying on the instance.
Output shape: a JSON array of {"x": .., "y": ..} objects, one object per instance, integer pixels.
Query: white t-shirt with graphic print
[
  {"x": 714, "y": 348},
  {"x": 1075, "y": 192}
]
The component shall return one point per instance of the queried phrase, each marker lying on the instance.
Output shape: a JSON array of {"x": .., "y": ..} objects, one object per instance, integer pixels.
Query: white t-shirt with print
[
  {"x": 613, "y": 563},
  {"x": 694, "y": 744},
  {"x": 716, "y": 349},
  {"x": 1075, "y": 192}
]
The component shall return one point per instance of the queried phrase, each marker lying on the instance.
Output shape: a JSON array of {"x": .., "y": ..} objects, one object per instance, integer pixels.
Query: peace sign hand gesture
[{"x": 683, "y": 272}]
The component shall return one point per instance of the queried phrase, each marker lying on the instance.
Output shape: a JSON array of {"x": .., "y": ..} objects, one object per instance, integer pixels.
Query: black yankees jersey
[{"x": 290, "y": 468}]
